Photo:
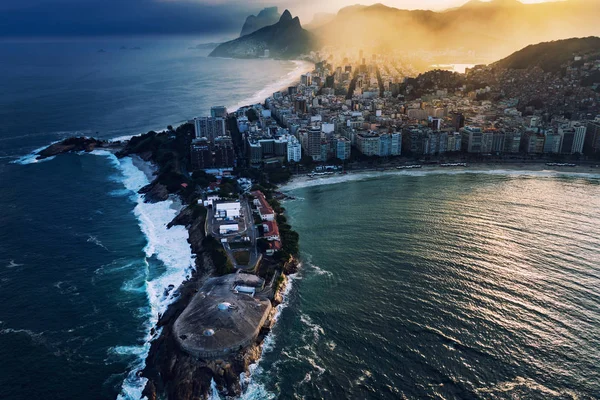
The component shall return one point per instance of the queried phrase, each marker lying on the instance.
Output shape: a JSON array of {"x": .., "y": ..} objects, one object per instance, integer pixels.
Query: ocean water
[
  {"x": 441, "y": 286},
  {"x": 84, "y": 263}
]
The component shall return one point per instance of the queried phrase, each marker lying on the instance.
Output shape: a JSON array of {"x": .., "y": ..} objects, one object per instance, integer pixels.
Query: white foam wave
[
  {"x": 214, "y": 391},
  {"x": 170, "y": 246},
  {"x": 290, "y": 78},
  {"x": 320, "y": 271},
  {"x": 252, "y": 389},
  {"x": 93, "y": 239},
  {"x": 313, "y": 328},
  {"x": 32, "y": 158},
  {"x": 304, "y": 182},
  {"x": 13, "y": 264}
]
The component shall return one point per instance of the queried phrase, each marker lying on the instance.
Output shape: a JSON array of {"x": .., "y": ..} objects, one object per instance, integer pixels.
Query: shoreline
[{"x": 298, "y": 181}]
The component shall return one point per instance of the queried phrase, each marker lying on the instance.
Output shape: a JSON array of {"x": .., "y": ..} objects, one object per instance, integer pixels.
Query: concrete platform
[{"x": 218, "y": 322}]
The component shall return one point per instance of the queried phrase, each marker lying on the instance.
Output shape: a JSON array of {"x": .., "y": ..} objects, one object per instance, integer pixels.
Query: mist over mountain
[
  {"x": 285, "y": 39},
  {"x": 491, "y": 29},
  {"x": 550, "y": 56},
  {"x": 265, "y": 17},
  {"x": 319, "y": 19}
]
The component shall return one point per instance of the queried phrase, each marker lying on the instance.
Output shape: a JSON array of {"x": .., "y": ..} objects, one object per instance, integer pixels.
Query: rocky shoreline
[
  {"x": 169, "y": 370},
  {"x": 78, "y": 144},
  {"x": 177, "y": 374}
]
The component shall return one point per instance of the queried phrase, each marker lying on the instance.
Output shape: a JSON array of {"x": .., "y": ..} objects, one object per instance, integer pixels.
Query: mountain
[
  {"x": 285, "y": 39},
  {"x": 490, "y": 29},
  {"x": 319, "y": 19},
  {"x": 550, "y": 56},
  {"x": 266, "y": 17}
]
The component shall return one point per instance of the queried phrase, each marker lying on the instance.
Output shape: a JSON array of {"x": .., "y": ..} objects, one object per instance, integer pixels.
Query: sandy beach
[{"x": 532, "y": 169}]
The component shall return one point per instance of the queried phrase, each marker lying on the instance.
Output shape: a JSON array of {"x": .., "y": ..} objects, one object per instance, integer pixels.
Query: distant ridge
[
  {"x": 550, "y": 56},
  {"x": 267, "y": 16},
  {"x": 492, "y": 29},
  {"x": 284, "y": 39}
]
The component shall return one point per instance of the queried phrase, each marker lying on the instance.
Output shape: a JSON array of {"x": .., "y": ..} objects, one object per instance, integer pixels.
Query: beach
[{"x": 534, "y": 169}]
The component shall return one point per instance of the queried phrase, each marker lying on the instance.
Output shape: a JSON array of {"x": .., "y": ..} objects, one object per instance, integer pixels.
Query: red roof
[
  {"x": 272, "y": 228},
  {"x": 265, "y": 207}
]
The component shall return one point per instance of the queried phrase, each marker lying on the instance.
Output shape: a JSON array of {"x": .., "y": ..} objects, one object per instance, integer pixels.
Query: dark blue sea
[{"x": 83, "y": 261}]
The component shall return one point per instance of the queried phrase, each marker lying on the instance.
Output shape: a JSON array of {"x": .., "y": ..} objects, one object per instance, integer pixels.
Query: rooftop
[{"x": 218, "y": 321}]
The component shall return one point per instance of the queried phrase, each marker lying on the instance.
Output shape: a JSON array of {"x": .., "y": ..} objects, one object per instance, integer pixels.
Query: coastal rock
[
  {"x": 75, "y": 144},
  {"x": 184, "y": 218},
  {"x": 154, "y": 192}
]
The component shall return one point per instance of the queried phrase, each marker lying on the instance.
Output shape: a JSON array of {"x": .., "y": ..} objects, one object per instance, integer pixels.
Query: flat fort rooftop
[{"x": 219, "y": 321}]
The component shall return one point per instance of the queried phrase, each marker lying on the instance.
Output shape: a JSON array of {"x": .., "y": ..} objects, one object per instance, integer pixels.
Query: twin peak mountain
[
  {"x": 284, "y": 39},
  {"x": 489, "y": 29}
]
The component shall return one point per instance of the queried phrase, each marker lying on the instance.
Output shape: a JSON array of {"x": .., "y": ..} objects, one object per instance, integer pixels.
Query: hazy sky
[{"x": 121, "y": 17}]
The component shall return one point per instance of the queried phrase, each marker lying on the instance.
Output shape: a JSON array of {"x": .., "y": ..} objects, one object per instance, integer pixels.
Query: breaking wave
[
  {"x": 169, "y": 246},
  {"x": 252, "y": 388}
]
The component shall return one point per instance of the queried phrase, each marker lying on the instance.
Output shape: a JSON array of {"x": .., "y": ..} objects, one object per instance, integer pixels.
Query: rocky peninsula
[{"x": 175, "y": 367}]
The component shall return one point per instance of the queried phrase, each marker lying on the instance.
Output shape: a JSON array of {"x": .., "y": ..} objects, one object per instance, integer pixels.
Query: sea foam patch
[
  {"x": 169, "y": 246},
  {"x": 252, "y": 388}
]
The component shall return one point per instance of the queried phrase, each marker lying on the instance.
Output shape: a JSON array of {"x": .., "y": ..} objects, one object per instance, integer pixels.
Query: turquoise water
[
  {"x": 466, "y": 286},
  {"x": 84, "y": 263}
]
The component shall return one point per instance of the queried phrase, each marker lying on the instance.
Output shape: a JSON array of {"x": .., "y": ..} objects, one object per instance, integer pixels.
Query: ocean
[
  {"x": 441, "y": 285},
  {"x": 84, "y": 263},
  {"x": 413, "y": 285}
]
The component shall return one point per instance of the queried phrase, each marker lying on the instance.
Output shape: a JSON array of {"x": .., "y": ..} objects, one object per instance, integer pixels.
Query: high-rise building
[
  {"x": 254, "y": 151},
  {"x": 218, "y": 112},
  {"x": 443, "y": 146},
  {"x": 342, "y": 148},
  {"x": 224, "y": 152},
  {"x": 498, "y": 139},
  {"x": 267, "y": 146},
  {"x": 591, "y": 144},
  {"x": 458, "y": 121},
  {"x": 579, "y": 139},
  {"x": 454, "y": 142},
  {"x": 385, "y": 144},
  {"x": 567, "y": 140},
  {"x": 313, "y": 143},
  {"x": 512, "y": 141},
  {"x": 368, "y": 143},
  {"x": 396, "y": 143},
  {"x": 201, "y": 155},
  {"x": 209, "y": 127},
  {"x": 552, "y": 143},
  {"x": 294, "y": 150},
  {"x": 300, "y": 105},
  {"x": 472, "y": 139},
  {"x": 306, "y": 79},
  {"x": 280, "y": 146},
  {"x": 533, "y": 143}
]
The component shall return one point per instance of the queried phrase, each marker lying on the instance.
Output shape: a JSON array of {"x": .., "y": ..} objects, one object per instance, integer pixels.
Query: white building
[
  {"x": 229, "y": 210},
  {"x": 294, "y": 150},
  {"x": 580, "y": 131},
  {"x": 228, "y": 228},
  {"x": 210, "y": 200}
]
